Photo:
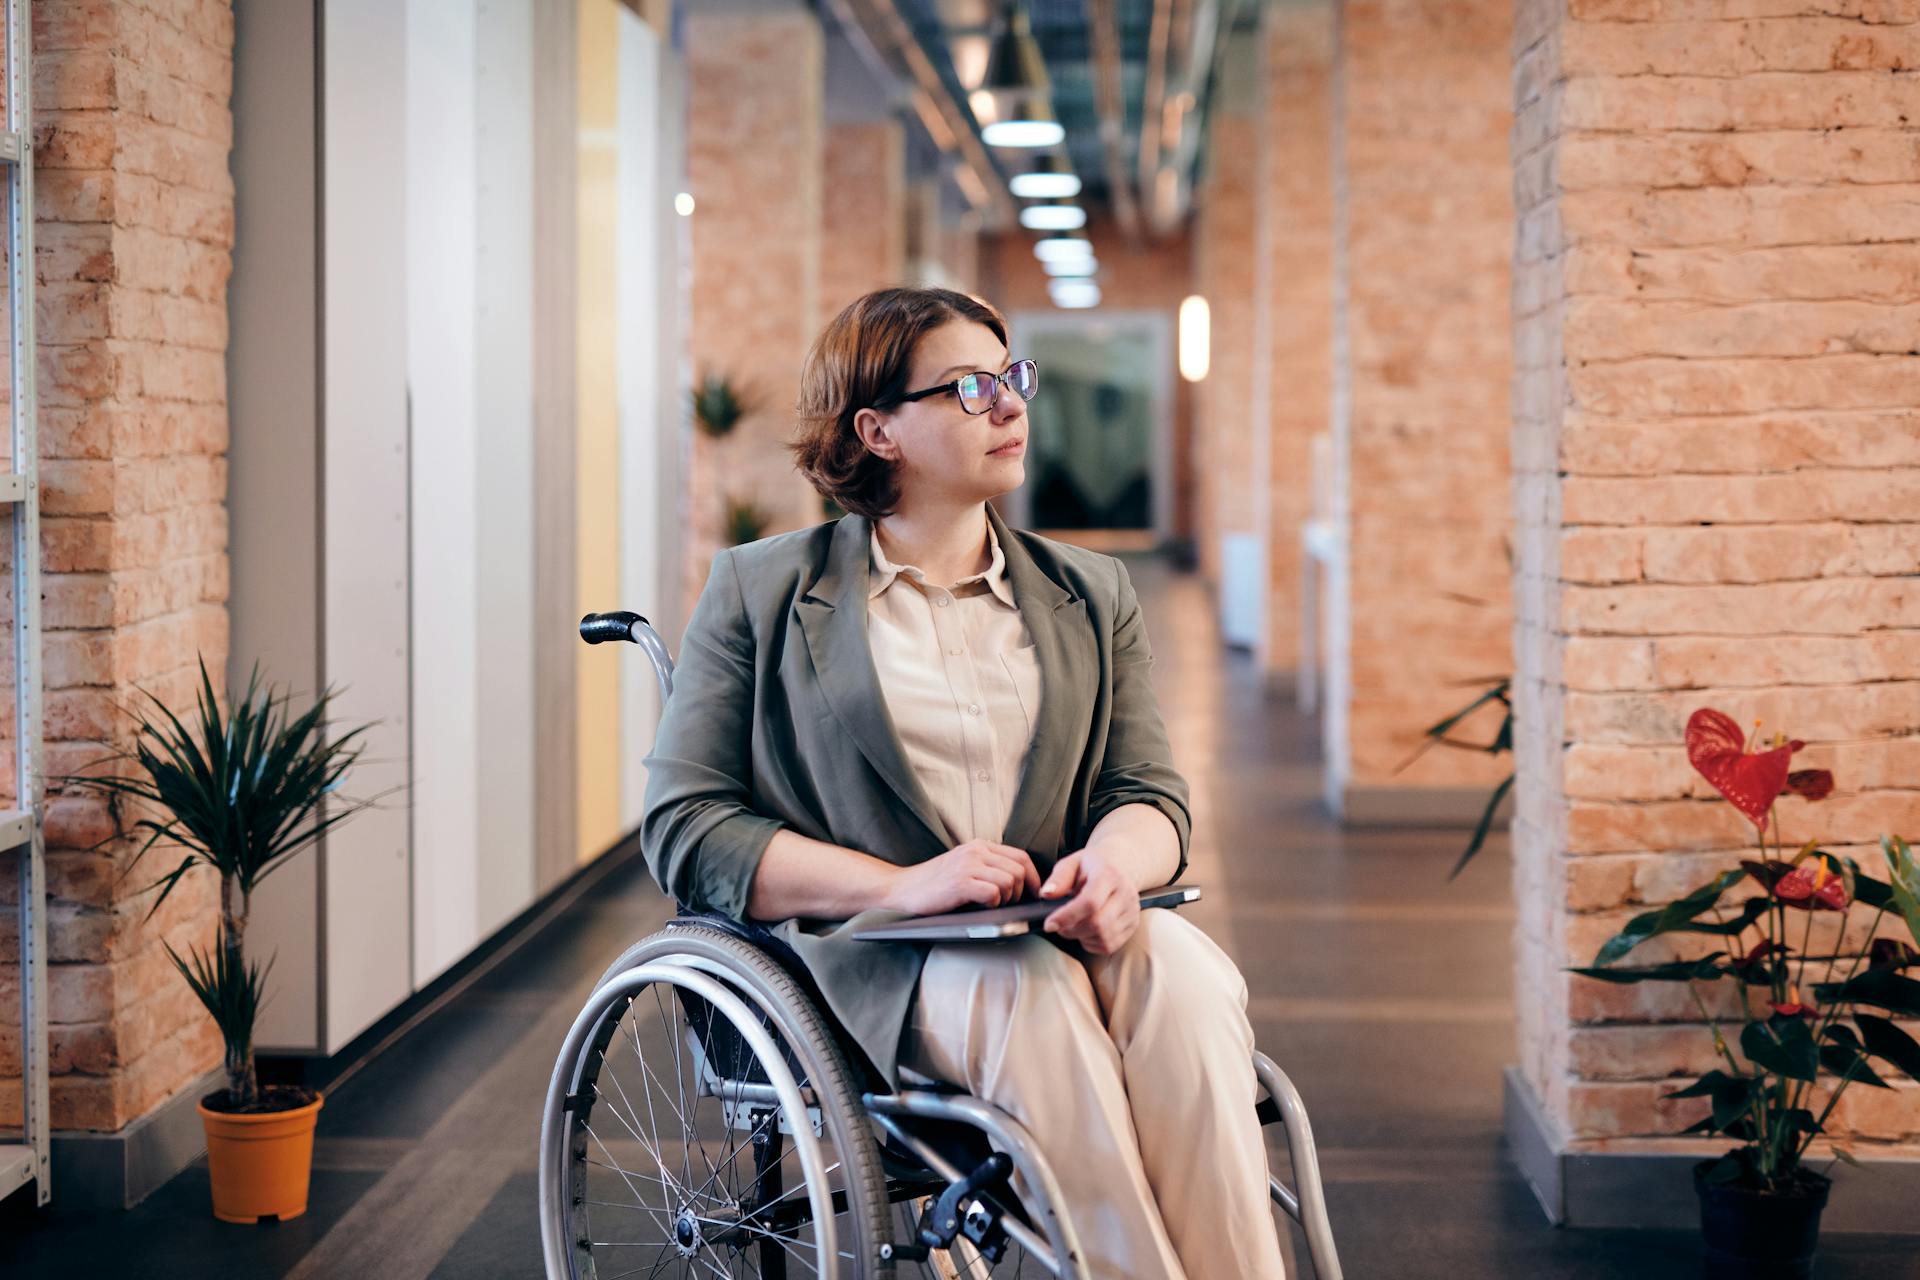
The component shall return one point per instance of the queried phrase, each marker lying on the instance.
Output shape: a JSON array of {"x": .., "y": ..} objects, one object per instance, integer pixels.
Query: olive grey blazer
[{"x": 777, "y": 720}]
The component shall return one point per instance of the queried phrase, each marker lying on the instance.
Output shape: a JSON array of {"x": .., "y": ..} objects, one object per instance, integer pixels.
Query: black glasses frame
[{"x": 1000, "y": 381}]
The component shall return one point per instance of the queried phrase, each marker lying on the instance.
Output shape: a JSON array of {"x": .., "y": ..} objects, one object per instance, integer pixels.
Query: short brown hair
[{"x": 862, "y": 360}]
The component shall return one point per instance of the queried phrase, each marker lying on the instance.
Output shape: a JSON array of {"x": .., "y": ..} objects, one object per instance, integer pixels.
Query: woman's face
[{"x": 942, "y": 450}]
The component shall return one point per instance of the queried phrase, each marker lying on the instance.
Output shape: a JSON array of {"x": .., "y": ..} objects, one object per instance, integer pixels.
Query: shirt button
[
  {"x": 942, "y": 601},
  {"x": 956, "y": 651},
  {"x": 973, "y": 709},
  {"x": 983, "y": 775}
]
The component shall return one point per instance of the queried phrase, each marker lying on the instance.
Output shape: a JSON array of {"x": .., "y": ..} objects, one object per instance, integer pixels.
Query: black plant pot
[{"x": 1760, "y": 1235}]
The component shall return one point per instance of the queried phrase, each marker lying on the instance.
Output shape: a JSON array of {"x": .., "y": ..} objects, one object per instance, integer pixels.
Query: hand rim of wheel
[{"x": 557, "y": 1250}]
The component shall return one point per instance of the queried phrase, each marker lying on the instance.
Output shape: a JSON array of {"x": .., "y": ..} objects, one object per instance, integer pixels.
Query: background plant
[
  {"x": 746, "y": 521},
  {"x": 241, "y": 792},
  {"x": 1440, "y": 733},
  {"x": 719, "y": 403},
  {"x": 1792, "y": 1025}
]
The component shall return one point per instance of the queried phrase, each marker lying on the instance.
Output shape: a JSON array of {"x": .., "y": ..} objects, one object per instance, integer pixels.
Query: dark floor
[{"x": 1381, "y": 989}]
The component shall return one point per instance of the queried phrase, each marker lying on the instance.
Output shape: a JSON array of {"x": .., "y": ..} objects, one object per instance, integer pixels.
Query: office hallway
[{"x": 1382, "y": 990}]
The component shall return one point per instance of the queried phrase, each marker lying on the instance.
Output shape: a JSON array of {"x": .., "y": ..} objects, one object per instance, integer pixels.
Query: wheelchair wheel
[{"x": 702, "y": 1120}]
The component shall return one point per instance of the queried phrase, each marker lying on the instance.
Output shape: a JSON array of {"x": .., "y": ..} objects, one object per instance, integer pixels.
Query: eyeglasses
[{"x": 978, "y": 392}]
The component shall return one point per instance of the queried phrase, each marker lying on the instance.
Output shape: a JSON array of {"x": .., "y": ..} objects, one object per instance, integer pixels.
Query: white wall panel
[
  {"x": 645, "y": 211},
  {"x": 441, "y": 167},
  {"x": 503, "y": 425},
  {"x": 365, "y": 880}
]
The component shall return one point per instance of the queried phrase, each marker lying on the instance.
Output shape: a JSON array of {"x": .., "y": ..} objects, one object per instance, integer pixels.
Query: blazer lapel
[
  {"x": 833, "y": 614},
  {"x": 1068, "y": 656}
]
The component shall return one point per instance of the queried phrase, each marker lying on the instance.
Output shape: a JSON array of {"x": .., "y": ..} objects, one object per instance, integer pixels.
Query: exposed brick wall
[
  {"x": 134, "y": 219},
  {"x": 1226, "y": 242},
  {"x": 1421, "y": 407},
  {"x": 754, "y": 161},
  {"x": 1296, "y": 213},
  {"x": 1716, "y": 450},
  {"x": 863, "y": 243}
]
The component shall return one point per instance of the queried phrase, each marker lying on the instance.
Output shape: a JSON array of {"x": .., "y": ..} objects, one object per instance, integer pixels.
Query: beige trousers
[{"x": 1134, "y": 1073}]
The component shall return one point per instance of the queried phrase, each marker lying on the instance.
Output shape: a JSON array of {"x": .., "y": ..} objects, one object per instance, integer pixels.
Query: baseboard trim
[
  {"x": 1652, "y": 1186},
  {"x": 118, "y": 1170},
  {"x": 1446, "y": 808}
]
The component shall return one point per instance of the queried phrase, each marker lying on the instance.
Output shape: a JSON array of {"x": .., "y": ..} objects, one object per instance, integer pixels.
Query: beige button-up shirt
[{"x": 962, "y": 683}]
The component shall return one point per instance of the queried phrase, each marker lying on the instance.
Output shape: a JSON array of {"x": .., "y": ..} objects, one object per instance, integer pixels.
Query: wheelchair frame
[{"x": 1046, "y": 1234}]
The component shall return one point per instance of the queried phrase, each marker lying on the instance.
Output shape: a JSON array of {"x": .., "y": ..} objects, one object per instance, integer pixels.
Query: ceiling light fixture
[
  {"x": 1064, "y": 249},
  {"x": 1071, "y": 267},
  {"x": 1016, "y": 80},
  {"x": 1074, "y": 294},
  {"x": 1053, "y": 217}
]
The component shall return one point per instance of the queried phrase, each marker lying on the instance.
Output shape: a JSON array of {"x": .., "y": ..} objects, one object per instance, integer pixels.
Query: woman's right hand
[{"x": 977, "y": 873}]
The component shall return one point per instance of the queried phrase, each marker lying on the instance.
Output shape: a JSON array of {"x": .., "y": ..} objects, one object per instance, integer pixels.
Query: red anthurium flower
[
  {"x": 1891, "y": 953},
  {"x": 1749, "y": 967},
  {"x": 1750, "y": 781},
  {"x": 1810, "y": 784},
  {"x": 1792, "y": 1010},
  {"x": 1812, "y": 886}
]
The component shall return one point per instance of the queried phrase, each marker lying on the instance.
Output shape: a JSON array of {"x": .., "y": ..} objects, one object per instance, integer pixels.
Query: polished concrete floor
[{"x": 1381, "y": 989}]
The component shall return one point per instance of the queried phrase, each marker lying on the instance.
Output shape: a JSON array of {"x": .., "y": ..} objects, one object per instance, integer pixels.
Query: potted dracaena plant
[
  {"x": 1811, "y": 992},
  {"x": 239, "y": 792}
]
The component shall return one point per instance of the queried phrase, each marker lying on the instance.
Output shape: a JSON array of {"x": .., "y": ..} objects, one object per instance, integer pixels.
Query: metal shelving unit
[{"x": 21, "y": 836}]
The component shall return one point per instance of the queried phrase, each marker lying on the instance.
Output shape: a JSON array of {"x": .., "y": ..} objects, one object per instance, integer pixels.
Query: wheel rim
[{"x": 651, "y": 1172}]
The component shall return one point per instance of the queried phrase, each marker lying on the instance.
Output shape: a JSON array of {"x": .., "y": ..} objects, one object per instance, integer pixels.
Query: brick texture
[
  {"x": 863, "y": 240},
  {"x": 1424, "y": 233},
  {"x": 1296, "y": 213},
  {"x": 755, "y": 136},
  {"x": 134, "y": 223},
  {"x": 1716, "y": 456},
  {"x": 1226, "y": 234}
]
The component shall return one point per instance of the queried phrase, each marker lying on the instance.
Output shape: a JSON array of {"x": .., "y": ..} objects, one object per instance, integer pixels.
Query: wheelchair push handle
[{"x": 624, "y": 624}]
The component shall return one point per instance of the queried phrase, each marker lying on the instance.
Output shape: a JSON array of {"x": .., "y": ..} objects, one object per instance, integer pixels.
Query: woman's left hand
[{"x": 1105, "y": 909}]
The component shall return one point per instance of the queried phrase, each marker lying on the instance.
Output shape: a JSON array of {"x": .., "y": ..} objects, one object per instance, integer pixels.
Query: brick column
[
  {"x": 1716, "y": 452},
  {"x": 1295, "y": 315},
  {"x": 1423, "y": 220},
  {"x": 755, "y": 163},
  {"x": 863, "y": 242},
  {"x": 1225, "y": 246},
  {"x": 134, "y": 220}
]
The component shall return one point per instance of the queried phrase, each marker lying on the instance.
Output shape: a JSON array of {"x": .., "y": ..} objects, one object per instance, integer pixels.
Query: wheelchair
[{"x": 704, "y": 1118}]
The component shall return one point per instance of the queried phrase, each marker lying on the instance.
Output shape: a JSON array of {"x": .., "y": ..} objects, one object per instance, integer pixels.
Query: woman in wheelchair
[{"x": 914, "y": 709}]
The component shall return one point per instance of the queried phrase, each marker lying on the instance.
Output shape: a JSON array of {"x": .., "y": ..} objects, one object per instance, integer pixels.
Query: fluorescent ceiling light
[
  {"x": 1045, "y": 186},
  {"x": 1023, "y": 133},
  {"x": 1053, "y": 217},
  {"x": 1071, "y": 267},
  {"x": 1074, "y": 293},
  {"x": 1063, "y": 249}
]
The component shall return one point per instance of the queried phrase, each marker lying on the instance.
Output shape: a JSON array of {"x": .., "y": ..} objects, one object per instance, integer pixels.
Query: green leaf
[
  {"x": 1732, "y": 1098},
  {"x": 1724, "y": 1170},
  {"x": 1846, "y": 1060},
  {"x": 1486, "y": 823},
  {"x": 1783, "y": 1046},
  {"x": 1883, "y": 1039},
  {"x": 1841, "y": 1153},
  {"x": 1705, "y": 969},
  {"x": 1750, "y": 910},
  {"x": 1904, "y": 874},
  {"x": 1668, "y": 919},
  {"x": 1882, "y": 988}
]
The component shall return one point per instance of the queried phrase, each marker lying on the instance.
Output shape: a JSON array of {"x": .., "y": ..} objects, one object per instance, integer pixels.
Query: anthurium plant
[{"x": 1801, "y": 1013}]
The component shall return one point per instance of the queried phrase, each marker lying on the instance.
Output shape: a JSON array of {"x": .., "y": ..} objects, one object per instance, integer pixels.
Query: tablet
[{"x": 983, "y": 923}]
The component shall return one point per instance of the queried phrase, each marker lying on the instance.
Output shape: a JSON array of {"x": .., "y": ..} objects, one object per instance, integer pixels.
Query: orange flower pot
[{"x": 260, "y": 1163}]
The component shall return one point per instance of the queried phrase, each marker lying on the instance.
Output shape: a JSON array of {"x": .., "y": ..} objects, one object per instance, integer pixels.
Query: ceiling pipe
[
  {"x": 1153, "y": 92},
  {"x": 1171, "y": 126},
  {"x": 1104, "y": 28},
  {"x": 882, "y": 35}
]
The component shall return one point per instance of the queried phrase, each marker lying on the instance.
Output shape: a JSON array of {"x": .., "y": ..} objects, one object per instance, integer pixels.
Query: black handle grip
[{"x": 598, "y": 628}]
